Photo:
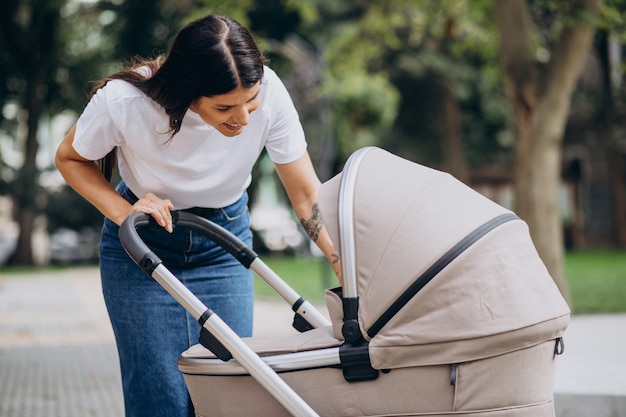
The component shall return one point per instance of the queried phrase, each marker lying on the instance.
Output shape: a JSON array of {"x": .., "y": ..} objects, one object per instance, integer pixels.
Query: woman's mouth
[{"x": 232, "y": 126}]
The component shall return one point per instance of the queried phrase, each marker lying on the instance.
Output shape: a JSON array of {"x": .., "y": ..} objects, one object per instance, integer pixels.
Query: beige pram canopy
[
  {"x": 442, "y": 273},
  {"x": 446, "y": 309}
]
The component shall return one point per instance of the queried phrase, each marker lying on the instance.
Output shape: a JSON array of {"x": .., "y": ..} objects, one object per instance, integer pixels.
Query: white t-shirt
[{"x": 198, "y": 167}]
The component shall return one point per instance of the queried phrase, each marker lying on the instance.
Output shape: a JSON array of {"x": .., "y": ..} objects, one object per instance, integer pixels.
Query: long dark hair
[{"x": 210, "y": 56}]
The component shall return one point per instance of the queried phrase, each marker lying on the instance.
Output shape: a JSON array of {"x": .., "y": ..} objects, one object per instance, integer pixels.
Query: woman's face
[{"x": 228, "y": 113}]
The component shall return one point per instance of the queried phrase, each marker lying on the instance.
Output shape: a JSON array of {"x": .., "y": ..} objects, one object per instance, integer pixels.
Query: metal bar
[
  {"x": 255, "y": 366},
  {"x": 345, "y": 218},
  {"x": 284, "y": 291}
]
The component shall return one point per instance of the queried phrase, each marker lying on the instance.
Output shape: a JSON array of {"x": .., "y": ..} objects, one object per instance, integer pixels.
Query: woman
[{"x": 186, "y": 129}]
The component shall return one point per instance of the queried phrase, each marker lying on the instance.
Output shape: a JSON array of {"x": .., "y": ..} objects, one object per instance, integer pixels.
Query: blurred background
[{"x": 523, "y": 100}]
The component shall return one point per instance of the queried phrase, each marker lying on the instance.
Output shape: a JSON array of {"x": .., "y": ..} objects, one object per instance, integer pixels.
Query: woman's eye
[{"x": 223, "y": 109}]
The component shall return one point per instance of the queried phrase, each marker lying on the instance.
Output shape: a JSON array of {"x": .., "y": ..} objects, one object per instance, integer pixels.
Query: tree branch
[
  {"x": 571, "y": 50},
  {"x": 515, "y": 28},
  {"x": 517, "y": 55}
]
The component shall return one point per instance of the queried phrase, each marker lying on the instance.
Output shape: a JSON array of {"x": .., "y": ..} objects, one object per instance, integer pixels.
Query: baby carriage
[{"x": 445, "y": 310}]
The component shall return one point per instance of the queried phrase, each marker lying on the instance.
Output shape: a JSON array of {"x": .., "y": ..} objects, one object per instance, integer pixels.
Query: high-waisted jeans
[{"x": 151, "y": 328}]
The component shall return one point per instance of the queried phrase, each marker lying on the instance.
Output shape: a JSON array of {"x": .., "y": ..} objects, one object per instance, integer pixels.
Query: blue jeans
[{"x": 151, "y": 328}]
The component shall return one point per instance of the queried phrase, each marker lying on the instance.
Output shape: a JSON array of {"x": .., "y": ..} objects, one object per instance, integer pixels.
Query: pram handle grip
[
  {"x": 143, "y": 256},
  {"x": 134, "y": 246},
  {"x": 231, "y": 243},
  {"x": 307, "y": 316}
]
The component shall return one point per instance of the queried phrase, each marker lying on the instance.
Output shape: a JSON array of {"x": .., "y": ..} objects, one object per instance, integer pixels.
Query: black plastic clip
[
  {"x": 355, "y": 363},
  {"x": 301, "y": 324},
  {"x": 559, "y": 346},
  {"x": 211, "y": 342}
]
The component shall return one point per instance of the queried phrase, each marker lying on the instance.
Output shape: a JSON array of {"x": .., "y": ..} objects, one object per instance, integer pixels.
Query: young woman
[{"x": 186, "y": 130}]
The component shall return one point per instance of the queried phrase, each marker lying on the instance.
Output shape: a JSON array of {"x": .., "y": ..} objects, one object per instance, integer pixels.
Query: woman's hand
[{"x": 159, "y": 209}]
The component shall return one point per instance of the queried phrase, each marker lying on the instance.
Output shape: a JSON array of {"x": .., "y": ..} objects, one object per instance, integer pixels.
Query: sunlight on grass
[
  {"x": 308, "y": 276},
  {"x": 597, "y": 280}
]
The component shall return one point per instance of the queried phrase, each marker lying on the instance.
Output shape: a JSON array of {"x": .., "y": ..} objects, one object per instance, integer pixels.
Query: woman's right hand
[{"x": 158, "y": 208}]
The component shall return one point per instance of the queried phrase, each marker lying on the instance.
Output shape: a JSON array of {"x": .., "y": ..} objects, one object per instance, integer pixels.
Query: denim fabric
[{"x": 151, "y": 328}]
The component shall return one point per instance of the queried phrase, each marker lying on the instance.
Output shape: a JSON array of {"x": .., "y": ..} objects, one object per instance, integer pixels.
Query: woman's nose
[{"x": 242, "y": 116}]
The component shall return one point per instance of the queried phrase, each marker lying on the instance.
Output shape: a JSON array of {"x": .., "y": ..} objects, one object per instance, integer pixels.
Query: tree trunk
[
  {"x": 540, "y": 96},
  {"x": 610, "y": 115},
  {"x": 23, "y": 253},
  {"x": 537, "y": 183},
  {"x": 26, "y": 191},
  {"x": 35, "y": 58},
  {"x": 452, "y": 141},
  {"x": 450, "y": 129}
]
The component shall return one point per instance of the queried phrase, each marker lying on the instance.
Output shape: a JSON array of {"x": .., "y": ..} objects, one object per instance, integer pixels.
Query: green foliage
[
  {"x": 372, "y": 53},
  {"x": 614, "y": 18},
  {"x": 49, "y": 54},
  {"x": 431, "y": 46},
  {"x": 365, "y": 105},
  {"x": 237, "y": 9},
  {"x": 376, "y": 73}
]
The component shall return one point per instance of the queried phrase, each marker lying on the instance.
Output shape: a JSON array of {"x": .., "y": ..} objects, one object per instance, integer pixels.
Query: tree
[
  {"x": 29, "y": 34},
  {"x": 50, "y": 51},
  {"x": 438, "y": 90},
  {"x": 540, "y": 80}
]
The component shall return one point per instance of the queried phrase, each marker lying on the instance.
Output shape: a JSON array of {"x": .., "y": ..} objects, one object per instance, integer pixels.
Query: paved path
[
  {"x": 58, "y": 358},
  {"x": 591, "y": 375},
  {"x": 57, "y": 351}
]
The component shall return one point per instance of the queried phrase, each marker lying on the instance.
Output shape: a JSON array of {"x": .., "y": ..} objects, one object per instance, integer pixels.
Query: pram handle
[
  {"x": 220, "y": 336},
  {"x": 147, "y": 260},
  {"x": 306, "y": 316}
]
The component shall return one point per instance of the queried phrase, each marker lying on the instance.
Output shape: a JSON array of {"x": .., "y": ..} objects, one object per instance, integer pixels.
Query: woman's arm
[
  {"x": 302, "y": 185},
  {"x": 85, "y": 177}
]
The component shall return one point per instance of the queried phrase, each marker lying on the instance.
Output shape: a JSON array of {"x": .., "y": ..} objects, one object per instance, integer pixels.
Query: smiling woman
[
  {"x": 186, "y": 130},
  {"x": 228, "y": 113}
]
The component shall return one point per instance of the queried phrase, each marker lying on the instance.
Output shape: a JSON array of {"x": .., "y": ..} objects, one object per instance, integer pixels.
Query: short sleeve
[
  {"x": 286, "y": 141},
  {"x": 96, "y": 132}
]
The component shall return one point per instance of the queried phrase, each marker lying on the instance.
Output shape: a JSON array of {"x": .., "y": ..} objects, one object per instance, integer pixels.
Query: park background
[{"x": 523, "y": 100}]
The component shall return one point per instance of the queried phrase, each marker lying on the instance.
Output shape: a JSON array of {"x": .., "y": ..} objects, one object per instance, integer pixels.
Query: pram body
[{"x": 445, "y": 309}]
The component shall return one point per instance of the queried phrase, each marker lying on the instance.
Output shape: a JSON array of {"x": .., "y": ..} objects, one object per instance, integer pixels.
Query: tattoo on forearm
[
  {"x": 335, "y": 258},
  {"x": 314, "y": 224}
]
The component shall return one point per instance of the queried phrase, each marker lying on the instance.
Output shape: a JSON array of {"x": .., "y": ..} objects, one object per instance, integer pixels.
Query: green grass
[
  {"x": 596, "y": 278},
  {"x": 30, "y": 270},
  {"x": 308, "y": 276}
]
